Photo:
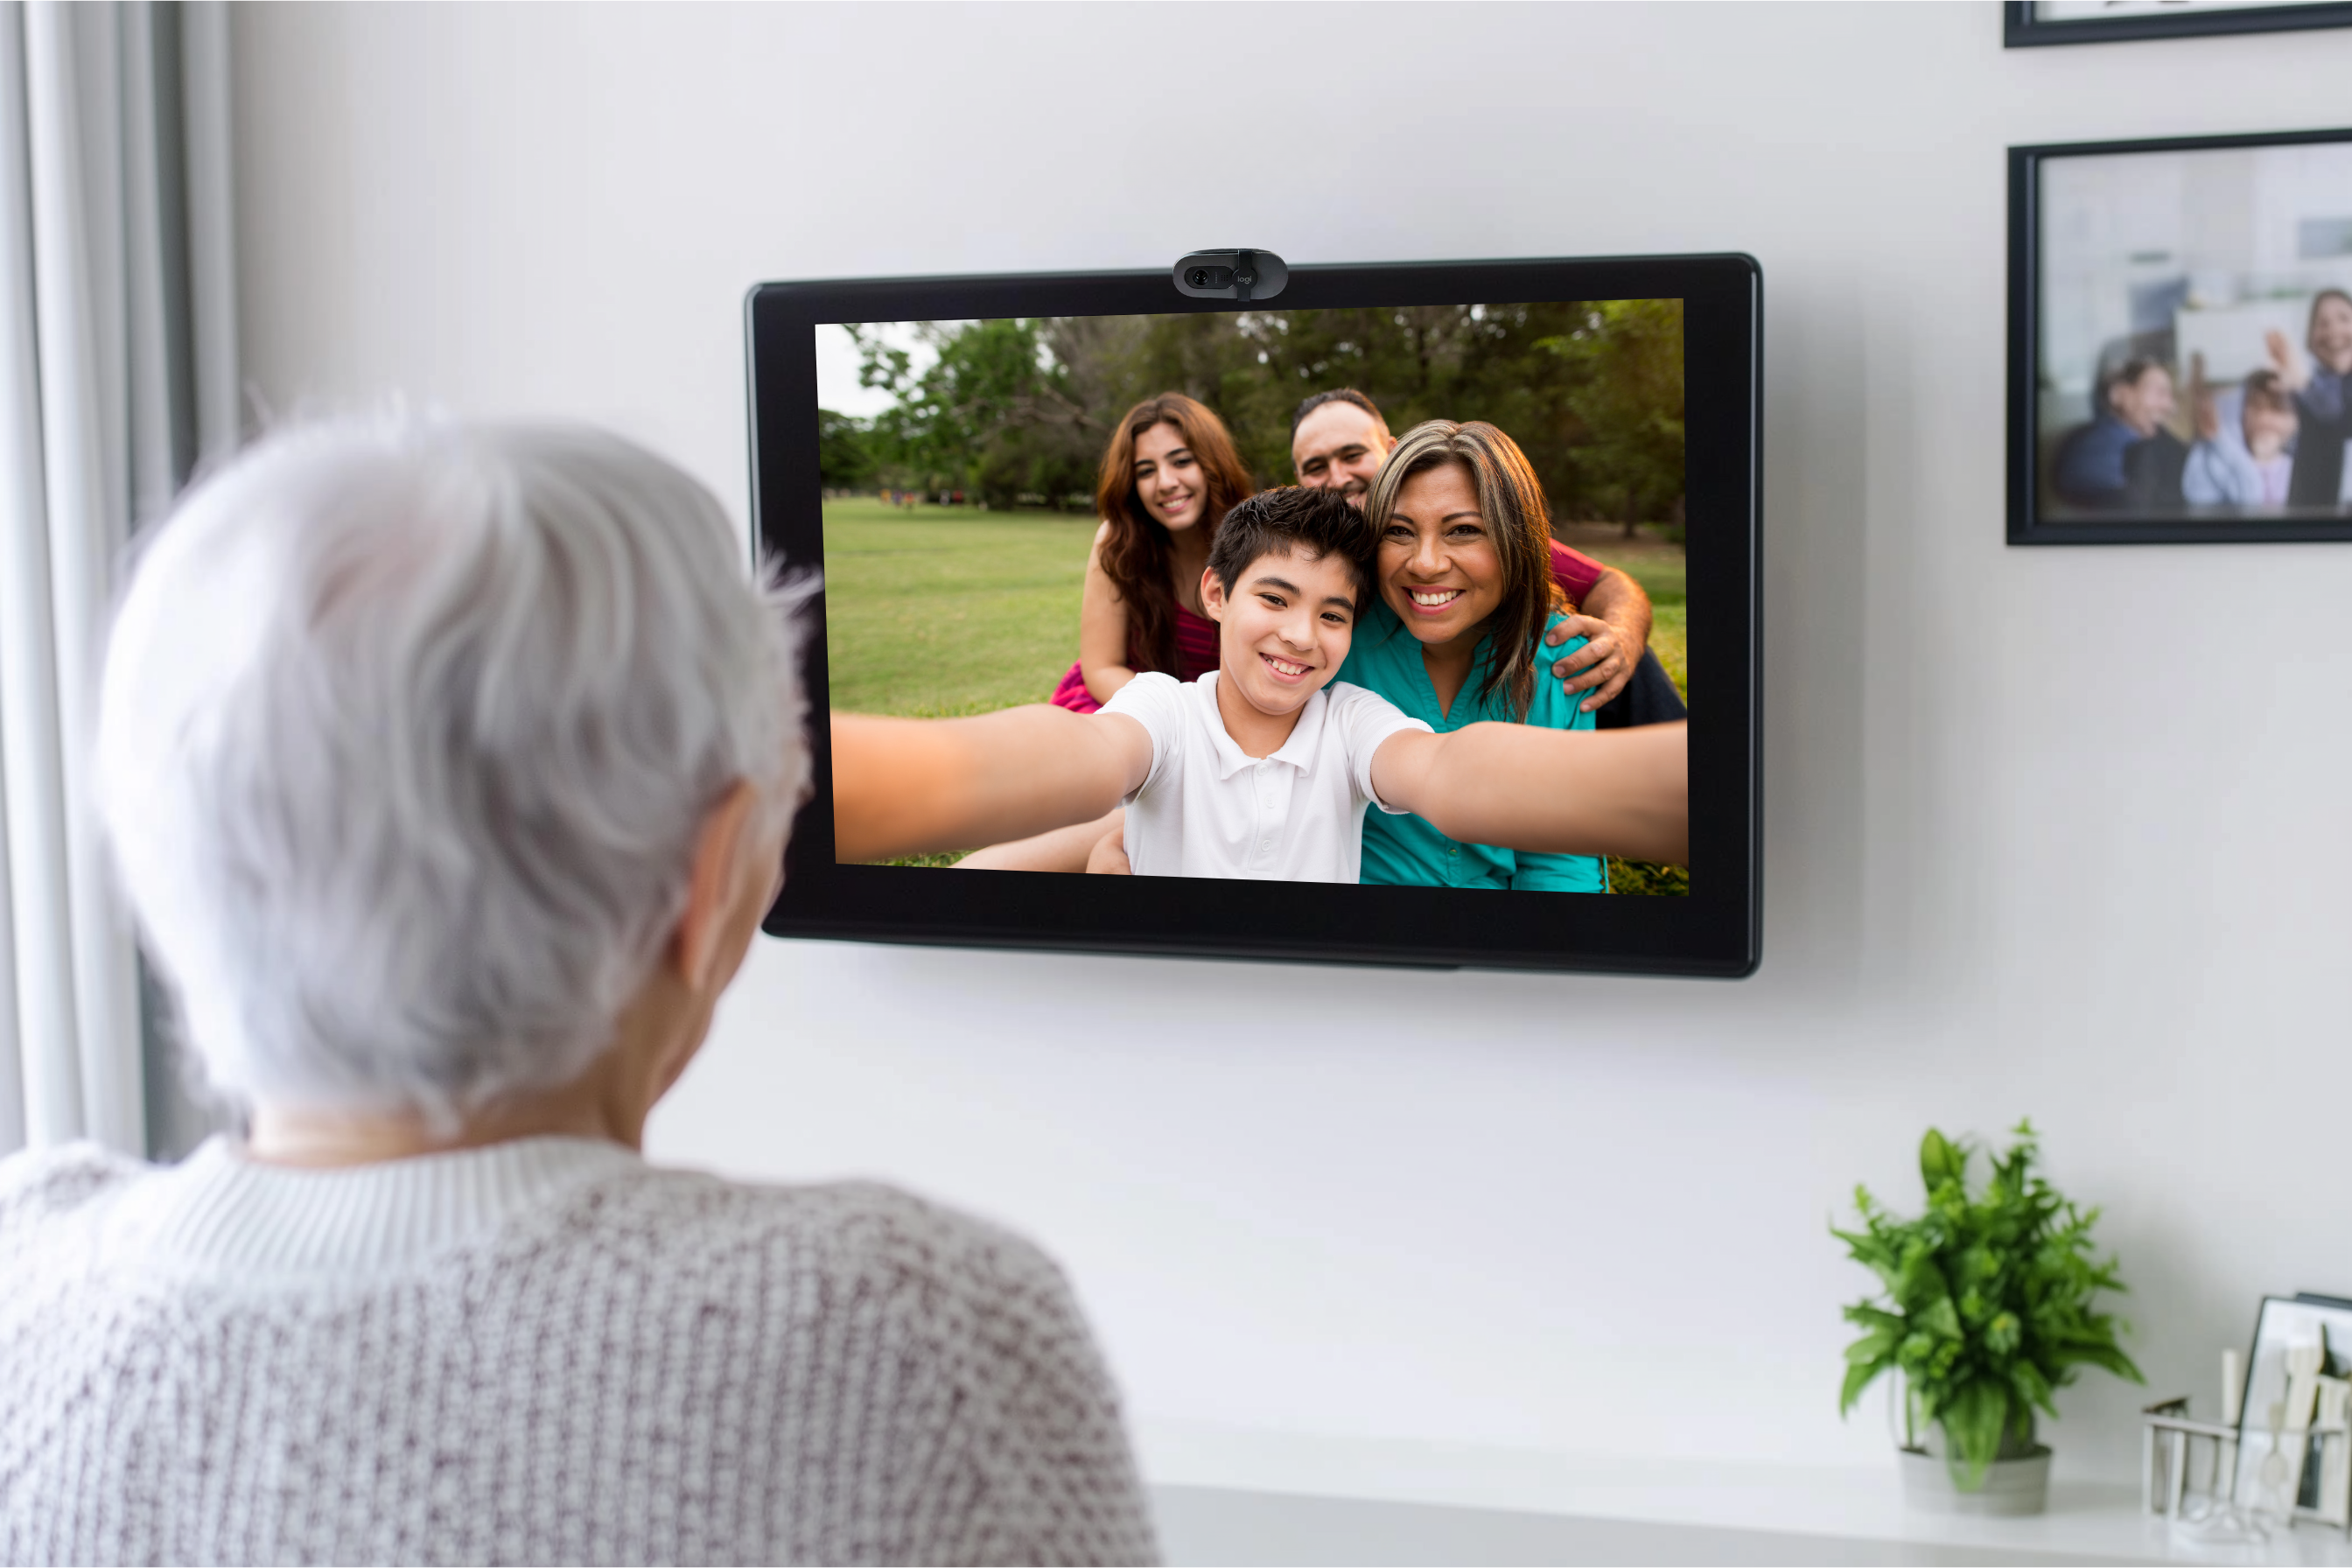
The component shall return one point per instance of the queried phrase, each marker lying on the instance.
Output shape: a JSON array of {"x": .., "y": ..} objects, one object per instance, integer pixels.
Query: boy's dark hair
[
  {"x": 2265, "y": 390},
  {"x": 1293, "y": 519},
  {"x": 2128, "y": 374},
  {"x": 1347, "y": 395}
]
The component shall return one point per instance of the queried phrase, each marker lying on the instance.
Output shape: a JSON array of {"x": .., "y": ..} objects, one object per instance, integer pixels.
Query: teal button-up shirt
[{"x": 1406, "y": 850}]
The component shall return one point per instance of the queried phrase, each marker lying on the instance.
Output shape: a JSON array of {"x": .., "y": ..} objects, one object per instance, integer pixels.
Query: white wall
[{"x": 2054, "y": 832}]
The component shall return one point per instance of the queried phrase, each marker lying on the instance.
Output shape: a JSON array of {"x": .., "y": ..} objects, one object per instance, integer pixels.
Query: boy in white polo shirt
[
  {"x": 1259, "y": 769},
  {"x": 1256, "y": 769}
]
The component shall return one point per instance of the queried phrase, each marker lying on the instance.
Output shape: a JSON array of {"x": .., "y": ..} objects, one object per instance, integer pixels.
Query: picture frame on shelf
[
  {"x": 2180, "y": 340},
  {"x": 2294, "y": 1454},
  {"x": 2029, "y": 24}
]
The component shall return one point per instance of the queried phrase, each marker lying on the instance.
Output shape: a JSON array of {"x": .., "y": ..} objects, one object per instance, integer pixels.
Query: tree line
[{"x": 1018, "y": 411}]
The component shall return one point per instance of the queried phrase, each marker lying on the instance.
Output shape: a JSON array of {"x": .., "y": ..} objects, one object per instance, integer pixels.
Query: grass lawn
[{"x": 936, "y": 611}]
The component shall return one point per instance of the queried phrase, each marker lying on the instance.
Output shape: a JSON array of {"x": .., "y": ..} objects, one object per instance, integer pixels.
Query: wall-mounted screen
[{"x": 1404, "y": 590}]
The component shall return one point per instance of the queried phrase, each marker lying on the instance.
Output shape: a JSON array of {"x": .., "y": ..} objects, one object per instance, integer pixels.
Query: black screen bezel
[{"x": 1713, "y": 932}]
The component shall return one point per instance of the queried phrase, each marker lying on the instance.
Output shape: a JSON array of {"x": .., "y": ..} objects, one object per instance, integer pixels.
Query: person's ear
[
  {"x": 711, "y": 888},
  {"x": 1212, "y": 593}
]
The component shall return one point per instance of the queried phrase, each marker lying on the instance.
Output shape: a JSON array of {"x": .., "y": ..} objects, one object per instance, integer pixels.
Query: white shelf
[{"x": 1771, "y": 1502}]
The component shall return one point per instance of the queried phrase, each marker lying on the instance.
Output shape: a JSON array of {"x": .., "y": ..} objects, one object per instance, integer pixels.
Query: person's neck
[
  {"x": 2267, "y": 451},
  {"x": 1257, "y": 732},
  {"x": 322, "y": 1139},
  {"x": 1449, "y": 664},
  {"x": 609, "y": 1101},
  {"x": 1188, "y": 557}
]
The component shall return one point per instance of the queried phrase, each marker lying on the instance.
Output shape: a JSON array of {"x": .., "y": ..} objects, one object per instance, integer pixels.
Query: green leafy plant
[{"x": 1988, "y": 1306}]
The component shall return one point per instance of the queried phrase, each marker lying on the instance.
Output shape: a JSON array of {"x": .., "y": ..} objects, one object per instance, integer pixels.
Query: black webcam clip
[{"x": 1246, "y": 275}]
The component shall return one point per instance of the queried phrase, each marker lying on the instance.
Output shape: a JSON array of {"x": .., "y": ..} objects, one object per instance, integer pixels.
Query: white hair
[{"x": 407, "y": 730}]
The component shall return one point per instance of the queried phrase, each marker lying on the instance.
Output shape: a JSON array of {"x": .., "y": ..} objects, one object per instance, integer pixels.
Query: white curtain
[{"x": 118, "y": 374}]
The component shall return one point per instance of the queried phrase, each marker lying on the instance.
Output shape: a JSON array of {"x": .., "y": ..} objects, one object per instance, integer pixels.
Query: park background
[
  {"x": 959, "y": 458},
  {"x": 958, "y": 509}
]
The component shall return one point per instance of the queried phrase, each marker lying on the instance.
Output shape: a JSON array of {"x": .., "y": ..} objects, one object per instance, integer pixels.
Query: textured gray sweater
[{"x": 547, "y": 1352}]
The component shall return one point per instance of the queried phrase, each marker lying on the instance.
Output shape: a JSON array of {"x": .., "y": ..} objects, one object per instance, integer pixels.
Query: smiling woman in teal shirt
[{"x": 1463, "y": 569}]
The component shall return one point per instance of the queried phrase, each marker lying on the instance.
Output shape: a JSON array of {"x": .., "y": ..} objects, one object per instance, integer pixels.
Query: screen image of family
[
  {"x": 2196, "y": 334},
  {"x": 1351, "y": 595}
]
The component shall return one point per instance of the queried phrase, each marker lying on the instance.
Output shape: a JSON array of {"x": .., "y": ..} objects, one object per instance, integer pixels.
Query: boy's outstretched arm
[
  {"x": 915, "y": 787},
  {"x": 1561, "y": 791}
]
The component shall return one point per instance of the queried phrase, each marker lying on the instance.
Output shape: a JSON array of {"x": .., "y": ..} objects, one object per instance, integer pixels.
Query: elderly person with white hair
[{"x": 449, "y": 768}]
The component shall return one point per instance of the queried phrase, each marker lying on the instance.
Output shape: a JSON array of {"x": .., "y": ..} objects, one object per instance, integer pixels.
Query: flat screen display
[{"x": 1534, "y": 484}]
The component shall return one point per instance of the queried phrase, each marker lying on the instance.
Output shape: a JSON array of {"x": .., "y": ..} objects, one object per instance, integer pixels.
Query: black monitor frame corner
[{"x": 1714, "y": 932}]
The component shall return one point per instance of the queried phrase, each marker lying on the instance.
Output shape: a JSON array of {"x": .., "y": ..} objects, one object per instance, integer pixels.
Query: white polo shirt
[{"x": 1208, "y": 810}]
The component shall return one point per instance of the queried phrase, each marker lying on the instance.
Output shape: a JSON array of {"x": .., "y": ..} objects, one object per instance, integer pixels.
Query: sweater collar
[{"x": 221, "y": 1208}]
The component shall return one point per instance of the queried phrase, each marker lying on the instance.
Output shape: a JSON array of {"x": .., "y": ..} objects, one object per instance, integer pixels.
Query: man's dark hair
[
  {"x": 2128, "y": 374},
  {"x": 1337, "y": 395},
  {"x": 1293, "y": 520}
]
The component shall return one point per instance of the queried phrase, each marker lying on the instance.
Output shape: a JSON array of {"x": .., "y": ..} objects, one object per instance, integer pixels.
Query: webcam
[{"x": 1232, "y": 275}]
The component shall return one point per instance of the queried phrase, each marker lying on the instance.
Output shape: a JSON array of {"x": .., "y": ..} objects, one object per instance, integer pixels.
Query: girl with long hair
[
  {"x": 1168, "y": 478},
  {"x": 1466, "y": 595}
]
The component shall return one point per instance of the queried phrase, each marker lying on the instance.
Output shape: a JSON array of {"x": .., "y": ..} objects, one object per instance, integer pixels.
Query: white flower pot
[{"x": 2010, "y": 1485}]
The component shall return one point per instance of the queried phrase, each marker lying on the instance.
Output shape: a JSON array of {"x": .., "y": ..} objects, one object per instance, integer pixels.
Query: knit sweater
[{"x": 545, "y": 1351}]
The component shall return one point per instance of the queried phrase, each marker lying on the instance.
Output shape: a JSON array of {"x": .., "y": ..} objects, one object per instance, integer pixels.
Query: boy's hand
[
  {"x": 2290, "y": 365},
  {"x": 2204, "y": 412}
]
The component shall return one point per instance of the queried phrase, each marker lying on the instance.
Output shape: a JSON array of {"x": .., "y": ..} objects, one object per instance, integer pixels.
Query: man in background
[
  {"x": 1337, "y": 441},
  {"x": 2125, "y": 460}
]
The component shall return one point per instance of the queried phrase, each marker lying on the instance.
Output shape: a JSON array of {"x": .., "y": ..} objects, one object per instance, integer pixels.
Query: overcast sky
[{"x": 836, "y": 367}]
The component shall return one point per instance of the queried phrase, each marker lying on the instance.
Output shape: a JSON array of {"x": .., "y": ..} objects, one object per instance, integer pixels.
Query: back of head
[
  {"x": 1293, "y": 519},
  {"x": 407, "y": 731}
]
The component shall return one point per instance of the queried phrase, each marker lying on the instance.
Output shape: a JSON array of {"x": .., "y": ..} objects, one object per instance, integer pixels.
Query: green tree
[
  {"x": 993, "y": 413},
  {"x": 1629, "y": 405},
  {"x": 843, "y": 462},
  {"x": 1592, "y": 393}
]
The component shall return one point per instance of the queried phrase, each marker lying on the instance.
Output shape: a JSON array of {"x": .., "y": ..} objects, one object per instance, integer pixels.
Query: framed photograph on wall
[
  {"x": 2026, "y": 24},
  {"x": 2180, "y": 340}
]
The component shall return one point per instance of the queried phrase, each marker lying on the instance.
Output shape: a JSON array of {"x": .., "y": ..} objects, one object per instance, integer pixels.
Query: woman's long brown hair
[
  {"x": 1135, "y": 556},
  {"x": 1511, "y": 502},
  {"x": 2311, "y": 325}
]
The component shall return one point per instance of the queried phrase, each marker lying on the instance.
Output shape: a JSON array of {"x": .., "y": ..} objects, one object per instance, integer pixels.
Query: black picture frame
[
  {"x": 2021, "y": 30},
  {"x": 1714, "y": 931},
  {"x": 2027, "y": 523}
]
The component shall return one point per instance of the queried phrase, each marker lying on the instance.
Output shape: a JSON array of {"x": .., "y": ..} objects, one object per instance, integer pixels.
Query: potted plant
[{"x": 1988, "y": 1307}]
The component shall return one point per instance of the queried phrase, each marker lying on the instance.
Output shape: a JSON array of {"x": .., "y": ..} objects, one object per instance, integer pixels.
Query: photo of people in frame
[
  {"x": 2194, "y": 334},
  {"x": 1346, "y": 586}
]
